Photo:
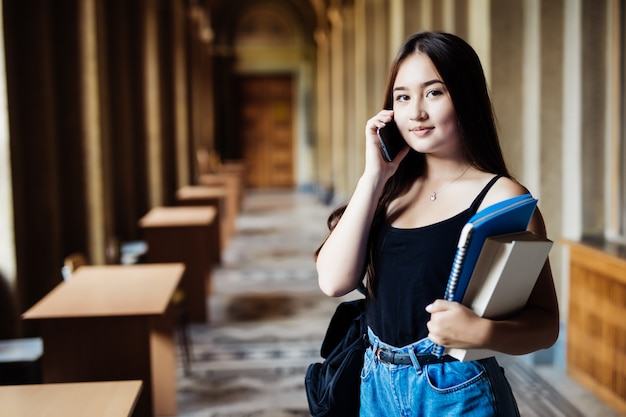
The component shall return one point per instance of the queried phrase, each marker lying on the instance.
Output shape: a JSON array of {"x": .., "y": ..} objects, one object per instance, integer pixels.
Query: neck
[
  {"x": 435, "y": 187},
  {"x": 441, "y": 172}
]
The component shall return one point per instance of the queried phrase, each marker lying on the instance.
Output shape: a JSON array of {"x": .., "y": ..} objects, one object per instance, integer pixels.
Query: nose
[
  {"x": 418, "y": 112},
  {"x": 419, "y": 115}
]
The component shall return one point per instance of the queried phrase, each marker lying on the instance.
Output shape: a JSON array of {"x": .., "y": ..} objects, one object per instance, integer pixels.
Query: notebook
[
  {"x": 503, "y": 279},
  {"x": 508, "y": 216}
]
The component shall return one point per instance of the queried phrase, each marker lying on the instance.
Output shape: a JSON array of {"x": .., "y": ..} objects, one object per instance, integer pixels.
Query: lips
[{"x": 422, "y": 131}]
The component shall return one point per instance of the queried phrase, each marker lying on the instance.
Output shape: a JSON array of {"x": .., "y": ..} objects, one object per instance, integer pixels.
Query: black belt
[{"x": 393, "y": 358}]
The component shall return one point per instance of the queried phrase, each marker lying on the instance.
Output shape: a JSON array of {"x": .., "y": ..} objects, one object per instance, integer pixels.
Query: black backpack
[{"x": 332, "y": 387}]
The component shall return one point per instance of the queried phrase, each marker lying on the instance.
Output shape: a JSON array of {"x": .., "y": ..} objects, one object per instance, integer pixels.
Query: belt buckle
[{"x": 377, "y": 354}]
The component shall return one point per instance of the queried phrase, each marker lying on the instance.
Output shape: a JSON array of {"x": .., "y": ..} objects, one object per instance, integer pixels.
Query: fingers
[
  {"x": 376, "y": 164},
  {"x": 380, "y": 120},
  {"x": 438, "y": 325},
  {"x": 438, "y": 306},
  {"x": 453, "y": 325},
  {"x": 434, "y": 337}
]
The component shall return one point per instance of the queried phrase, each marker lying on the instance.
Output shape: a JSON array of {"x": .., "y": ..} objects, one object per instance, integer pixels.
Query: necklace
[{"x": 433, "y": 196}]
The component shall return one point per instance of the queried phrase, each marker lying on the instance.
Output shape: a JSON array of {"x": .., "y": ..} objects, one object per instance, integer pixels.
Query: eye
[
  {"x": 433, "y": 93},
  {"x": 402, "y": 98}
]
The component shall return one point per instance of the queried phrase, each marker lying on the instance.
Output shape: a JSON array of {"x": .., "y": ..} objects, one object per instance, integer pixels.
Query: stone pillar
[
  {"x": 572, "y": 121},
  {"x": 461, "y": 14},
  {"x": 480, "y": 26},
  {"x": 505, "y": 63},
  {"x": 95, "y": 182},
  {"x": 180, "y": 97},
  {"x": 337, "y": 100},
  {"x": 595, "y": 135},
  {"x": 352, "y": 135},
  {"x": 616, "y": 151},
  {"x": 33, "y": 148},
  {"x": 531, "y": 97},
  {"x": 364, "y": 58},
  {"x": 549, "y": 163},
  {"x": 152, "y": 98},
  {"x": 396, "y": 26},
  {"x": 374, "y": 51},
  {"x": 323, "y": 146},
  {"x": 7, "y": 237}
]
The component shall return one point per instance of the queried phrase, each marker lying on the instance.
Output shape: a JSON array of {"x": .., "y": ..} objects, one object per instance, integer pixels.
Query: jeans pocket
[
  {"x": 369, "y": 362},
  {"x": 453, "y": 376}
]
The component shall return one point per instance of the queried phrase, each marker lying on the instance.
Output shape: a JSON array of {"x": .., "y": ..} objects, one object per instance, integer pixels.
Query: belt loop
[
  {"x": 374, "y": 343},
  {"x": 416, "y": 364}
]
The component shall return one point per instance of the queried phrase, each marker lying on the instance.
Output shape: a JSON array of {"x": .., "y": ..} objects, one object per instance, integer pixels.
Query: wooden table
[
  {"x": 78, "y": 399},
  {"x": 232, "y": 182},
  {"x": 213, "y": 196},
  {"x": 111, "y": 323},
  {"x": 183, "y": 234},
  {"x": 238, "y": 170}
]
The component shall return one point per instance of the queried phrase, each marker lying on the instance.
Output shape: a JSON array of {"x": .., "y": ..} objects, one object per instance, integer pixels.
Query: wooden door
[{"x": 266, "y": 130}]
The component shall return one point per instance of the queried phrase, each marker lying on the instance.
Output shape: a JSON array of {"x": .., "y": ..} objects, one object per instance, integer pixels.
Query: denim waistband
[{"x": 419, "y": 352}]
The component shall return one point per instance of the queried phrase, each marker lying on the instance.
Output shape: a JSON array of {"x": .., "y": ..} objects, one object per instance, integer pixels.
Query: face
[{"x": 423, "y": 108}]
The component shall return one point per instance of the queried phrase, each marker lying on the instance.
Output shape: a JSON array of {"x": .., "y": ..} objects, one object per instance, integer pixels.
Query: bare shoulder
[
  {"x": 506, "y": 188},
  {"x": 503, "y": 189}
]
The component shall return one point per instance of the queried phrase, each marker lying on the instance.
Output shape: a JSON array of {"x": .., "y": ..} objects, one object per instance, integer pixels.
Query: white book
[{"x": 504, "y": 276}]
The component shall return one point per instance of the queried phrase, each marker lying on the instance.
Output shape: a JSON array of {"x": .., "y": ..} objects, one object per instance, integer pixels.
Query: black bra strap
[{"x": 479, "y": 199}]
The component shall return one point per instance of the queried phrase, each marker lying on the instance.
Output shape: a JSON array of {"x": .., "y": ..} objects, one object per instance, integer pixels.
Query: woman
[{"x": 401, "y": 227}]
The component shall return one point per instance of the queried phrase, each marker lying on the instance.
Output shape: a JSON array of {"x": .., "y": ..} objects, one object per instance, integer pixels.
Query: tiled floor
[{"x": 268, "y": 318}]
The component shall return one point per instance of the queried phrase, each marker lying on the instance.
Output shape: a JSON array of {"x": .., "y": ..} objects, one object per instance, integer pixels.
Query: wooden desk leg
[{"x": 163, "y": 351}]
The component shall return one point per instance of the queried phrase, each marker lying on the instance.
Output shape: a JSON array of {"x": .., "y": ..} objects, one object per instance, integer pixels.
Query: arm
[
  {"x": 341, "y": 260},
  {"x": 534, "y": 328}
]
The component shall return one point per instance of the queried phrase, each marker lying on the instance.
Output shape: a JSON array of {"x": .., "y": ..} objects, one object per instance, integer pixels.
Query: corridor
[{"x": 268, "y": 318}]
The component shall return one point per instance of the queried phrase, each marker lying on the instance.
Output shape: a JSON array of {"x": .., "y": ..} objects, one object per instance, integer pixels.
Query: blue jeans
[{"x": 468, "y": 389}]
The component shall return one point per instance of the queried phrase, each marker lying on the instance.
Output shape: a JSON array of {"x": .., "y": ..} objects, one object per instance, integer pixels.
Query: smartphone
[{"x": 391, "y": 140}]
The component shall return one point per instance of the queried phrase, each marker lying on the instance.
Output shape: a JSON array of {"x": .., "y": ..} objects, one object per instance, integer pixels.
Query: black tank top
[{"x": 412, "y": 268}]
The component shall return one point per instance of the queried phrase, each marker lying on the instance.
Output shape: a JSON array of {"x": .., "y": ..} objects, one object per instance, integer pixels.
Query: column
[
  {"x": 323, "y": 146},
  {"x": 7, "y": 238},
  {"x": 152, "y": 97},
  {"x": 181, "y": 112},
  {"x": 95, "y": 181},
  {"x": 337, "y": 101},
  {"x": 503, "y": 61}
]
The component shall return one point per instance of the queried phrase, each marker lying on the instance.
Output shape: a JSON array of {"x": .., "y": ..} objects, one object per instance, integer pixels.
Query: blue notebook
[{"x": 508, "y": 216}]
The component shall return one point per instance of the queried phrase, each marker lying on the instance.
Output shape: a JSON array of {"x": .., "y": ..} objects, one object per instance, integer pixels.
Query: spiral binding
[{"x": 453, "y": 280}]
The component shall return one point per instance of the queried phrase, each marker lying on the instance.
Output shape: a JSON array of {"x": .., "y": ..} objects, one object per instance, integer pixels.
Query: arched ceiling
[{"x": 225, "y": 15}]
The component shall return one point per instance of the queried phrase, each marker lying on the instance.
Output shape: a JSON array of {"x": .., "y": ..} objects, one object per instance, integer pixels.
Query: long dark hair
[{"x": 461, "y": 71}]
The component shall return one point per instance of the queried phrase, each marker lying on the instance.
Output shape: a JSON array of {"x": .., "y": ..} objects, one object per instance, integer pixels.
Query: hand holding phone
[{"x": 391, "y": 140}]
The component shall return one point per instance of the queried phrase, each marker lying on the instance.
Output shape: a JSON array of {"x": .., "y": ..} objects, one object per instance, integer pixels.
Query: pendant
[{"x": 433, "y": 196}]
